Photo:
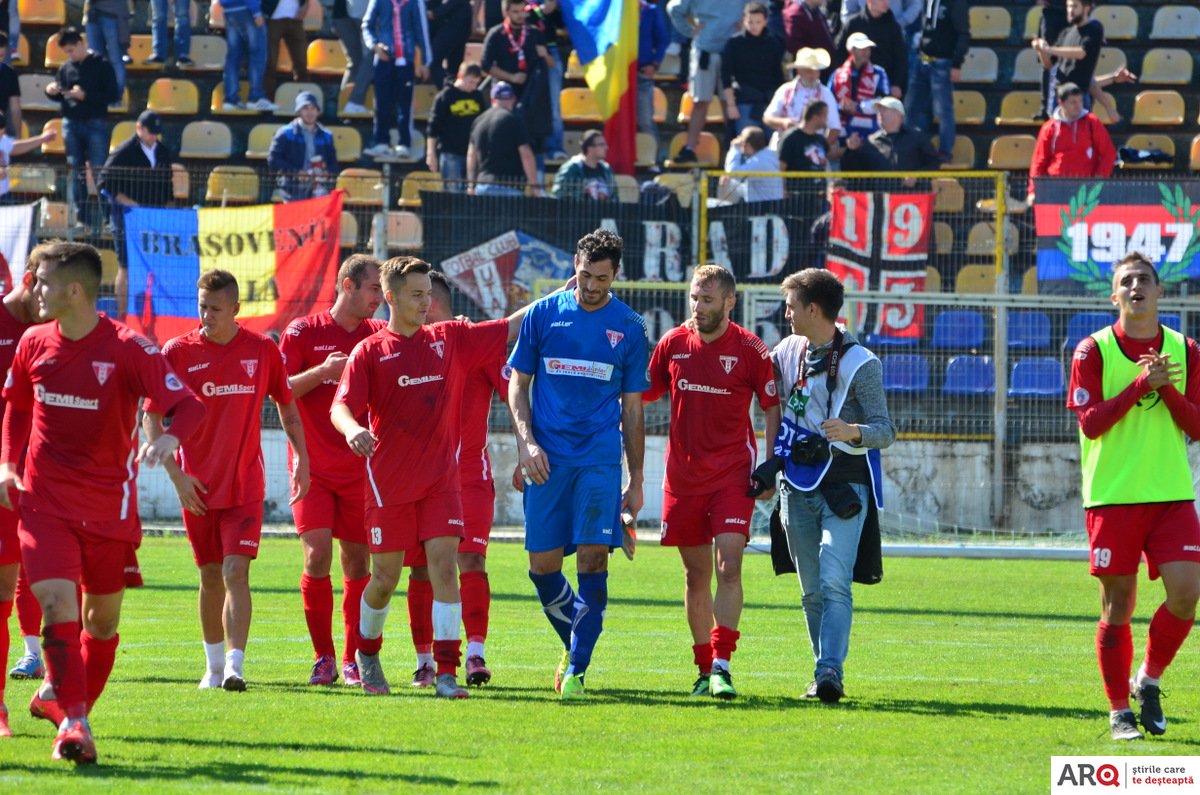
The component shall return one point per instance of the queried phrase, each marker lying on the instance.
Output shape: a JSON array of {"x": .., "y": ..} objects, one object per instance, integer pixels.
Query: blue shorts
[{"x": 577, "y": 505}]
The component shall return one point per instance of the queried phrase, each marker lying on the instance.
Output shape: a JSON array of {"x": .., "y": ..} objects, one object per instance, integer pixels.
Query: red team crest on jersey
[
  {"x": 250, "y": 366},
  {"x": 728, "y": 362},
  {"x": 103, "y": 370},
  {"x": 438, "y": 347},
  {"x": 614, "y": 337}
]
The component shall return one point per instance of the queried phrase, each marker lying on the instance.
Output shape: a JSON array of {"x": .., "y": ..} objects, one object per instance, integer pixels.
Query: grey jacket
[{"x": 718, "y": 21}]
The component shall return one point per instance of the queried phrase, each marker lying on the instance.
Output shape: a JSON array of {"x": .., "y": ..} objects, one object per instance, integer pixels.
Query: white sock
[
  {"x": 1142, "y": 679},
  {"x": 215, "y": 654},
  {"x": 234, "y": 660},
  {"x": 446, "y": 618},
  {"x": 370, "y": 621},
  {"x": 722, "y": 664},
  {"x": 475, "y": 649},
  {"x": 1112, "y": 713},
  {"x": 424, "y": 659},
  {"x": 33, "y": 645}
]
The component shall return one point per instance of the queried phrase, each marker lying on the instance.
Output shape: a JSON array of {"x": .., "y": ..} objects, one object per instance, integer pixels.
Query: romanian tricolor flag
[
  {"x": 284, "y": 256},
  {"x": 605, "y": 35}
]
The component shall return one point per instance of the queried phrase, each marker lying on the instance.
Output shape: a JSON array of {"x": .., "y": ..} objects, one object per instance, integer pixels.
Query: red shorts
[
  {"x": 339, "y": 508},
  {"x": 10, "y": 544},
  {"x": 95, "y": 554},
  {"x": 221, "y": 532},
  {"x": 1118, "y": 535},
  {"x": 695, "y": 520},
  {"x": 133, "y": 570},
  {"x": 479, "y": 511},
  {"x": 404, "y": 527}
]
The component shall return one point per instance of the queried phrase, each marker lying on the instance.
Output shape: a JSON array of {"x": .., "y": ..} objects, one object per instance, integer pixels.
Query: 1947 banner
[{"x": 1083, "y": 227}]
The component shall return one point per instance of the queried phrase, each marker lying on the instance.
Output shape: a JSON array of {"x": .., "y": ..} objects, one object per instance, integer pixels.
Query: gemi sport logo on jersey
[
  {"x": 438, "y": 347},
  {"x": 250, "y": 366},
  {"x": 728, "y": 363},
  {"x": 614, "y": 337},
  {"x": 103, "y": 370}
]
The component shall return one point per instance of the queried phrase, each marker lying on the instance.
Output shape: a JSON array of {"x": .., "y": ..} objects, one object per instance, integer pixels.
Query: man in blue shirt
[{"x": 590, "y": 354}]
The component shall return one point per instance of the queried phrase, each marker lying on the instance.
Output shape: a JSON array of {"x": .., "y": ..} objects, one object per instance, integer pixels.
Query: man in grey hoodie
[{"x": 709, "y": 24}]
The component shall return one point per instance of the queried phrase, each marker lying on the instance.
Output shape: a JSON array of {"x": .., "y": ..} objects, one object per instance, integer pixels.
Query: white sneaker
[
  {"x": 233, "y": 106},
  {"x": 378, "y": 150},
  {"x": 212, "y": 679},
  {"x": 356, "y": 109},
  {"x": 265, "y": 105},
  {"x": 401, "y": 151}
]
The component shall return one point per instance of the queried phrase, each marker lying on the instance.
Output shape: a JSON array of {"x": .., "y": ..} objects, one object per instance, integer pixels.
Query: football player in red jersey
[
  {"x": 219, "y": 475},
  {"x": 72, "y": 397}
]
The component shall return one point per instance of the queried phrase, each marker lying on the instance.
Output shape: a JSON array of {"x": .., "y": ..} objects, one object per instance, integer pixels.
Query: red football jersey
[
  {"x": 478, "y": 386},
  {"x": 84, "y": 395},
  {"x": 712, "y": 443},
  {"x": 231, "y": 380},
  {"x": 306, "y": 343},
  {"x": 407, "y": 386},
  {"x": 11, "y": 330}
]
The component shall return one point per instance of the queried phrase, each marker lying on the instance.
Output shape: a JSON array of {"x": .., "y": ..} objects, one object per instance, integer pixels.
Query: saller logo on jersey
[
  {"x": 103, "y": 370},
  {"x": 63, "y": 401},
  {"x": 405, "y": 380},
  {"x": 688, "y": 386},
  {"x": 579, "y": 368}
]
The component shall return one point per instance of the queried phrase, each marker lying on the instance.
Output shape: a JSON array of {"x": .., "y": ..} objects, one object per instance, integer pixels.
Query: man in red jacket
[{"x": 1073, "y": 143}]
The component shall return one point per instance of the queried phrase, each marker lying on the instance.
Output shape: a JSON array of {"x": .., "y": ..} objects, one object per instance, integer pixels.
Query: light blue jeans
[
  {"x": 492, "y": 189},
  {"x": 244, "y": 39},
  {"x": 454, "y": 172},
  {"x": 823, "y": 548},
  {"x": 930, "y": 93},
  {"x": 183, "y": 28},
  {"x": 102, "y": 37}
]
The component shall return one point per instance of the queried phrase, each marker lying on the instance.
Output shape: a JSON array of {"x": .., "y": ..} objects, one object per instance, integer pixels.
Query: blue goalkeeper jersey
[{"x": 581, "y": 362}]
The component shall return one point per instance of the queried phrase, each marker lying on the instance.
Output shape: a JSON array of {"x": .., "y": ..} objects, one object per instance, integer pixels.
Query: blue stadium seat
[
  {"x": 1171, "y": 321},
  {"x": 876, "y": 341},
  {"x": 958, "y": 329},
  {"x": 970, "y": 375},
  {"x": 1040, "y": 376},
  {"x": 1028, "y": 330},
  {"x": 905, "y": 372},
  {"x": 1084, "y": 323}
]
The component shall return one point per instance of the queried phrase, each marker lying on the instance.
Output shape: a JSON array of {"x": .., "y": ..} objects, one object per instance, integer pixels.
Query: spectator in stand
[
  {"x": 398, "y": 61},
  {"x": 805, "y": 148},
  {"x": 500, "y": 158},
  {"x": 907, "y": 14},
  {"x": 806, "y": 26},
  {"x": 945, "y": 38},
  {"x": 787, "y": 106},
  {"x": 137, "y": 174},
  {"x": 104, "y": 21},
  {"x": 587, "y": 175},
  {"x": 449, "y": 29},
  {"x": 449, "y": 130},
  {"x": 246, "y": 37},
  {"x": 10, "y": 25},
  {"x": 302, "y": 155},
  {"x": 748, "y": 152},
  {"x": 653, "y": 40},
  {"x": 10, "y": 148},
  {"x": 512, "y": 49},
  {"x": 1072, "y": 143},
  {"x": 10, "y": 89},
  {"x": 1054, "y": 20},
  {"x": 710, "y": 24},
  {"x": 856, "y": 85},
  {"x": 285, "y": 23},
  {"x": 751, "y": 68},
  {"x": 893, "y": 147},
  {"x": 546, "y": 16},
  {"x": 160, "y": 39},
  {"x": 879, "y": 24},
  {"x": 85, "y": 86},
  {"x": 347, "y": 23},
  {"x": 1073, "y": 58}
]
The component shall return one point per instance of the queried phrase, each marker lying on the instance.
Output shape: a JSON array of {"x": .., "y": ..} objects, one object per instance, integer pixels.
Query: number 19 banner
[{"x": 1084, "y": 226}]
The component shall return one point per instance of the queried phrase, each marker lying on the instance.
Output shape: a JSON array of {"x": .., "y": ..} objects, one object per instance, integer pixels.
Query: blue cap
[{"x": 503, "y": 90}]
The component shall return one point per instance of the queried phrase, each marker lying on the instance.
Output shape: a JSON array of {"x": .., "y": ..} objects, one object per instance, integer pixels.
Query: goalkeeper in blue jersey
[{"x": 579, "y": 370}]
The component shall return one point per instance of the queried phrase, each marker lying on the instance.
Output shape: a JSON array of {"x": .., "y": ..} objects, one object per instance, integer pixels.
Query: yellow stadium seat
[
  {"x": 1167, "y": 66},
  {"x": 970, "y": 107},
  {"x": 1018, "y": 108},
  {"x": 122, "y": 131},
  {"x": 1163, "y": 108},
  {"x": 1194, "y": 165},
  {"x": 574, "y": 67},
  {"x": 181, "y": 185},
  {"x": 314, "y": 18},
  {"x": 1027, "y": 68},
  {"x": 943, "y": 239},
  {"x": 285, "y": 97},
  {"x": 1029, "y": 281},
  {"x": 1176, "y": 22},
  {"x": 326, "y": 57},
  {"x": 1011, "y": 152},
  {"x": 349, "y": 230},
  {"x": 55, "y": 147},
  {"x": 414, "y": 183},
  {"x": 206, "y": 139},
  {"x": 933, "y": 280},
  {"x": 404, "y": 231},
  {"x": 1099, "y": 111},
  {"x": 628, "y": 190},
  {"x": 660, "y": 105},
  {"x": 174, "y": 97},
  {"x": 33, "y": 93},
  {"x": 683, "y": 185},
  {"x": 42, "y": 12},
  {"x": 980, "y": 65},
  {"x": 708, "y": 150},
  {"x": 578, "y": 105},
  {"x": 109, "y": 266},
  {"x": 981, "y": 240},
  {"x": 647, "y": 150},
  {"x": 714, "y": 115},
  {"x": 423, "y": 96},
  {"x": 1143, "y": 141},
  {"x": 963, "y": 154},
  {"x": 218, "y": 99},
  {"x": 368, "y": 103},
  {"x": 232, "y": 185},
  {"x": 347, "y": 143},
  {"x": 122, "y": 107},
  {"x": 55, "y": 56},
  {"x": 975, "y": 279},
  {"x": 670, "y": 68},
  {"x": 1111, "y": 59},
  {"x": 26, "y": 178},
  {"x": 363, "y": 186},
  {"x": 1120, "y": 22},
  {"x": 208, "y": 53},
  {"x": 990, "y": 22},
  {"x": 21, "y": 56},
  {"x": 54, "y": 219},
  {"x": 141, "y": 47},
  {"x": 950, "y": 196},
  {"x": 283, "y": 60},
  {"x": 259, "y": 142},
  {"x": 1033, "y": 23}
]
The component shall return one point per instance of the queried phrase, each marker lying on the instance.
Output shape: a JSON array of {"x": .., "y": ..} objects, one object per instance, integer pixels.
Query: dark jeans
[
  {"x": 291, "y": 33},
  {"x": 931, "y": 92},
  {"x": 449, "y": 42},
  {"x": 358, "y": 60},
  {"x": 86, "y": 142},
  {"x": 393, "y": 101}
]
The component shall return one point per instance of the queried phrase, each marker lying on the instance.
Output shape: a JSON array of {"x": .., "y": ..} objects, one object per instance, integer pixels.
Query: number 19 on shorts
[{"x": 1101, "y": 558}]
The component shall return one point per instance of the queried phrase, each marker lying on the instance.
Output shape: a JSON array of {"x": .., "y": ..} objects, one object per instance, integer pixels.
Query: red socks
[
  {"x": 1167, "y": 634},
  {"x": 476, "y": 602},
  {"x": 724, "y": 642},
  {"x": 368, "y": 645},
  {"x": 98, "y": 658},
  {"x": 447, "y": 654},
  {"x": 64, "y": 663},
  {"x": 1114, "y": 648},
  {"x": 5, "y": 612},
  {"x": 703, "y": 657},
  {"x": 29, "y": 612},
  {"x": 316, "y": 593},
  {"x": 420, "y": 614},
  {"x": 352, "y": 591}
]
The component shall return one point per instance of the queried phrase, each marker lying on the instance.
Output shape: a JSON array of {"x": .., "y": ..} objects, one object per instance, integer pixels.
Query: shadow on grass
[{"x": 268, "y": 745}]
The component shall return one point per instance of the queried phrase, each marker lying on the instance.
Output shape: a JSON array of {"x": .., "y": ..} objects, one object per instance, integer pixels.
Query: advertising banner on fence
[
  {"x": 284, "y": 257},
  {"x": 16, "y": 231},
  {"x": 1084, "y": 226}
]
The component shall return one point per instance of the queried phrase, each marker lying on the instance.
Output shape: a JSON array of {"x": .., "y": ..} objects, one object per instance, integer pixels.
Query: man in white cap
[
  {"x": 302, "y": 154},
  {"x": 787, "y": 106},
  {"x": 884, "y": 22},
  {"x": 856, "y": 85},
  {"x": 893, "y": 147}
]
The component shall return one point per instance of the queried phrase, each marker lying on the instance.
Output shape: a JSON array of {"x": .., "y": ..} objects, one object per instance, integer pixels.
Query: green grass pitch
[{"x": 963, "y": 676}]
